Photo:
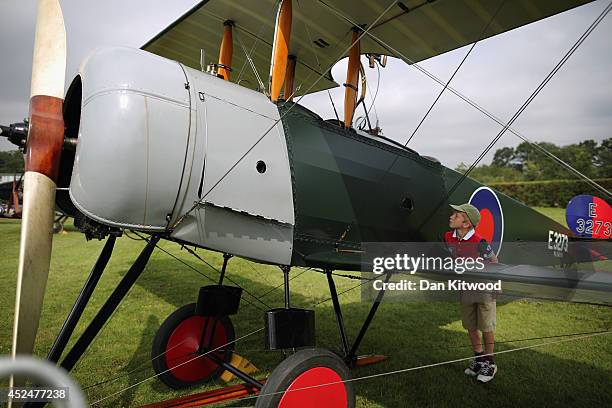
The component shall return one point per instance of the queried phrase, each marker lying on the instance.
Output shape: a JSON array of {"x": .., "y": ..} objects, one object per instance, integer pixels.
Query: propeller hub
[{"x": 16, "y": 133}]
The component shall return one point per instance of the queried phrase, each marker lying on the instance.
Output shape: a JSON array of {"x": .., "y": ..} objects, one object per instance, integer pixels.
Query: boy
[{"x": 477, "y": 309}]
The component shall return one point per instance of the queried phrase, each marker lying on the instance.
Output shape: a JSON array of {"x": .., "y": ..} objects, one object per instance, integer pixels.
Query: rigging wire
[
  {"x": 178, "y": 365},
  {"x": 441, "y": 363},
  {"x": 555, "y": 336},
  {"x": 261, "y": 275},
  {"x": 139, "y": 368},
  {"x": 520, "y": 111},
  {"x": 372, "y": 105},
  {"x": 318, "y": 63},
  {"x": 211, "y": 279},
  {"x": 262, "y": 88},
  {"x": 248, "y": 57},
  {"x": 365, "y": 280},
  {"x": 266, "y": 293},
  {"x": 476, "y": 106},
  {"x": 197, "y": 203},
  {"x": 145, "y": 365},
  {"x": 192, "y": 252},
  {"x": 480, "y": 37},
  {"x": 201, "y": 200},
  {"x": 506, "y": 127}
]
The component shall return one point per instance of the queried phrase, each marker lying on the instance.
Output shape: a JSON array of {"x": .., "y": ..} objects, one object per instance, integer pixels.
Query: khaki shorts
[{"x": 478, "y": 316}]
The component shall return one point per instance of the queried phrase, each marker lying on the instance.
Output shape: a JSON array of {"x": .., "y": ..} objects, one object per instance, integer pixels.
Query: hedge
[{"x": 551, "y": 193}]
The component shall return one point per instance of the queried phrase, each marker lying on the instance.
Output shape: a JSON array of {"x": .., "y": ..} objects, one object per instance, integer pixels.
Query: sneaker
[
  {"x": 487, "y": 371},
  {"x": 474, "y": 368}
]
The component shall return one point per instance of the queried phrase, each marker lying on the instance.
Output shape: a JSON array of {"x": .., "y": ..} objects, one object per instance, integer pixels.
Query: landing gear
[
  {"x": 310, "y": 377},
  {"x": 181, "y": 343},
  {"x": 194, "y": 345},
  {"x": 299, "y": 381}
]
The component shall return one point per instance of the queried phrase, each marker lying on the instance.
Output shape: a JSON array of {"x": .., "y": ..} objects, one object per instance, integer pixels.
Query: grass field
[{"x": 576, "y": 373}]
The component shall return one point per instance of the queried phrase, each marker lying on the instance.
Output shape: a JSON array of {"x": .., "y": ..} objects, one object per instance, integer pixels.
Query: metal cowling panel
[
  {"x": 231, "y": 202},
  {"x": 132, "y": 138}
]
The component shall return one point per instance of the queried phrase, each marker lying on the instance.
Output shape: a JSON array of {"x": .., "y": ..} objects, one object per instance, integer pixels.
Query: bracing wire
[
  {"x": 252, "y": 64},
  {"x": 520, "y": 111},
  {"x": 506, "y": 127},
  {"x": 178, "y": 365},
  {"x": 480, "y": 37},
  {"x": 312, "y": 49},
  {"x": 372, "y": 105},
  {"x": 233, "y": 166},
  {"x": 142, "y": 367},
  {"x": 476, "y": 106},
  {"x": 405, "y": 370},
  {"x": 213, "y": 280},
  {"x": 362, "y": 34},
  {"x": 364, "y": 281},
  {"x": 248, "y": 56}
]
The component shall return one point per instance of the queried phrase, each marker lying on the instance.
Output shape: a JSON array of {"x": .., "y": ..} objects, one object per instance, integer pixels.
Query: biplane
[{"x": 156, "y": 141}]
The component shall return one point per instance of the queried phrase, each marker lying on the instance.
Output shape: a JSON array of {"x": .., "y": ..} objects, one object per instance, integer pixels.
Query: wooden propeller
[{"x": 44, "y": 145}]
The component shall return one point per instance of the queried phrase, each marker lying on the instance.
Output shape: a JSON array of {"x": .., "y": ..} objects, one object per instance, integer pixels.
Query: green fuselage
[{"x": 351, "y": 188}]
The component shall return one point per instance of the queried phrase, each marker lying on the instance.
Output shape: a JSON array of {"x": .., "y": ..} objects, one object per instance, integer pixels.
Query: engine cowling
[
  {"x": 165, "y": 148},
  {"x": 132, "y": 138}
]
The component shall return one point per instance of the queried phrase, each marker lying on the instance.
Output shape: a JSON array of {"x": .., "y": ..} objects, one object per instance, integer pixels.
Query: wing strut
[
  {"x": 290, "y": 78},
  {"x": 226, "y": 51},
  {"x": 280, "y": 50},
  {"x": 352, "y": 76}
]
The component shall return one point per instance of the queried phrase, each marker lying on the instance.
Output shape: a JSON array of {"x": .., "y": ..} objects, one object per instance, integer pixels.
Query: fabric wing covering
[{"x": 321, "y": 30}]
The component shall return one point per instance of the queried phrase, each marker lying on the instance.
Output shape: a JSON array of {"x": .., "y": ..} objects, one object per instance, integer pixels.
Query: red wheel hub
[
  {"x": 333, "y": 395},
  {"x": 183, "y": 346}
]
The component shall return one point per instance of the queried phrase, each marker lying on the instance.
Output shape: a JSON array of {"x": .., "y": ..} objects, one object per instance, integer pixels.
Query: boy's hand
[{"x": 486, "y": 251}]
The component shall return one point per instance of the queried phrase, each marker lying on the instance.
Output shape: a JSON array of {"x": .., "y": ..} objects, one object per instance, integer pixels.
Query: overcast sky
[{"x": 499, "y": 75}]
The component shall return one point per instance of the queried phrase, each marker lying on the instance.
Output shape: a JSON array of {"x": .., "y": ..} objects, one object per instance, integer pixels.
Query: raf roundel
[{"x": 491, "y": 226}]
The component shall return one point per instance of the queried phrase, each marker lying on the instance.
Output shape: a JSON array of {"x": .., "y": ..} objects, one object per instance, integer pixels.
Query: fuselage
[{"x": 170, "y": 150}]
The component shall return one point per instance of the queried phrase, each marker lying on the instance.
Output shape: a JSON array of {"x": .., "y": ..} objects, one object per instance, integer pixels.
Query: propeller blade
[{"x": 44, "y": 144}]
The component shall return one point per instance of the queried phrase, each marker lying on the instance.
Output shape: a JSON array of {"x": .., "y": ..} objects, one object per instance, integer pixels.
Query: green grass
[
  {"x": 557, "y": 214},
  {"x": 576, "y": 373}
]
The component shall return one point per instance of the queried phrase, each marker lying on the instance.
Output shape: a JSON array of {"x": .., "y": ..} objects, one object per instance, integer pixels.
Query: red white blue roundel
[{"x": 491, "y": 225}]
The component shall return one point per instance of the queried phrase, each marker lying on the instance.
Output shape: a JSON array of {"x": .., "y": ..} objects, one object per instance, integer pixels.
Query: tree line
[
  {"x": 11, "y": 162},
  {"x": 528, "y": 163},
  {"x": 522, "y": 163}
]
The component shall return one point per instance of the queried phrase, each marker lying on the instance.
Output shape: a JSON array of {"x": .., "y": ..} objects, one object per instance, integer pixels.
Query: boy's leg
[
  {"x": 489, "y": 342},
  {"x": 487, "y": 323},
  {"x": 470, "y": 323},
  {"x": 475, "y": 340}
]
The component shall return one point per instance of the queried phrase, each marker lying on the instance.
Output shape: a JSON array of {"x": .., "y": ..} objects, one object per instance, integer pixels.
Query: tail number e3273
[{"x": 557, "y": 242}]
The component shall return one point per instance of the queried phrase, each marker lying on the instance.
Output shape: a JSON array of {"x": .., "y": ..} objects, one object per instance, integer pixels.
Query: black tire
[
  {"x": 161, "y": 355},
  {"x": 292, "y": 367}
]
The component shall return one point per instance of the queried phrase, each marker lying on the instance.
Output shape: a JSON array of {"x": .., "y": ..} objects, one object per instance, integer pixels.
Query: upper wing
[{"x": 416, "y": 29}]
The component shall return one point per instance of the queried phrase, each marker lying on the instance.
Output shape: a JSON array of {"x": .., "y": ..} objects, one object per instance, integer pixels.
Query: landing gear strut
[{"x": 195, "y": 343}]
